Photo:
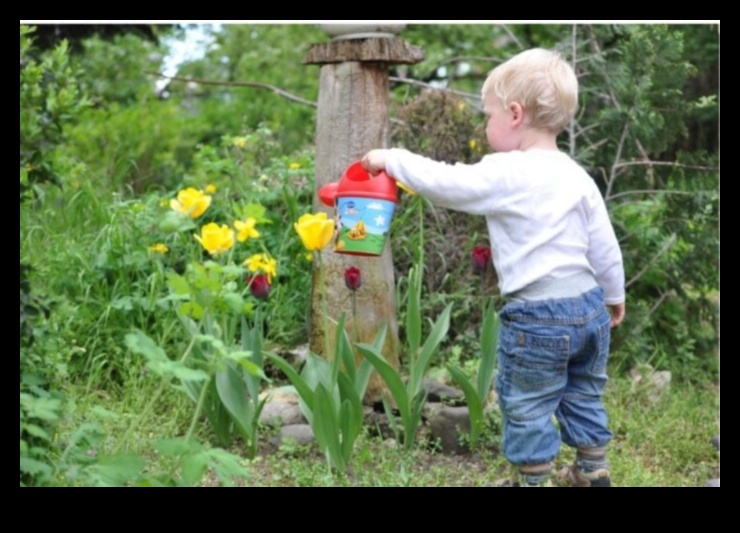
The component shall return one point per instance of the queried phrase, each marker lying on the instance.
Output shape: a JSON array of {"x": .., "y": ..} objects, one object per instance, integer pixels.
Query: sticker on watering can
[{"x": 363, "y": 225}]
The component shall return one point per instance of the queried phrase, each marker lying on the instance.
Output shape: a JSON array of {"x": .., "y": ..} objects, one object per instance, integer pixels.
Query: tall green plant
[
  {"x": 476, "y": 396},
  {"x": 331, "y": 396},
  {"x": 410, "y": 397}
]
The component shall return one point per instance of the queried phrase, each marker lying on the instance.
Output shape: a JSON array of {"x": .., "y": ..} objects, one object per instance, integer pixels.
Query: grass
[{"x": 663, "y": 443}]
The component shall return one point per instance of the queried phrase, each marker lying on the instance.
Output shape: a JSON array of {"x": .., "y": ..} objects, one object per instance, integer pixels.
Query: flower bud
[
  {"x": 353, "y": 278},
  {"x": 259, "y": 286},
  {"x": 481, "y": 258}
]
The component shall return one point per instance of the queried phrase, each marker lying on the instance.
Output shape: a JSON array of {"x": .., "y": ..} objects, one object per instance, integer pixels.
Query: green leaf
[
  {"x": 436, "y": 336},
  {"x": 475, "y": 404},
  {"x": 47, "y": 409},
  {"x": 34, "y": 468},
  {"x": 257, "y": 212},
  {"x": 362, "y": 379},
  {"x": 343, "y": 349},
  {"x": 390, "y": 377},
  {"x": 36, "y": 431},
  {"x": 326, "y": 426},
  {"x": 234, "y": 301},
  {"x": 303, "y": 389},
  {"x": 193, "y": 468},
  {"x": 174, "y": 447},
  {"x": 489, "y": 345},
  {"x": 184, "y": 373},
  {"x": 177, "y": 283},
  {"x": 116, "y": 470},
  {"x": 350, "y": 415},
  {"x": 413, "y": 312},
  {"x": 233, "y": 393},
  {"x": 227, "y": 466},
  {"x": 138, "y": 342}
]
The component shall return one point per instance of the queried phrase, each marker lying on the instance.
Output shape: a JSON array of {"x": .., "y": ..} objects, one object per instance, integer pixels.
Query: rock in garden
[
  {"x": 297, "y": 434},
  {"x": 439, "y": 392},
  {"x": 447, "y": 424}
]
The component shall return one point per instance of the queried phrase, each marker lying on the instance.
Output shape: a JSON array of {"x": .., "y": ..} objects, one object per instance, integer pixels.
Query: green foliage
[
  {"x": 331, "y": 396},
  {"x": 477, "y": 396},
  {"x": 50, "y": 99},
  {"x": 116, "y": 70},
  {"x": 136, "y": 147},
  {"x": 263, "y": 53},
  {"x": 409, "y": 398}
]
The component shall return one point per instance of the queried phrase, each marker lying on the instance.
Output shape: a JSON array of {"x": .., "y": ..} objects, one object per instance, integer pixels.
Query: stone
[
  {"x": 297, "y": 434},
  {"x": 439, "y": 392},
  {"x": 447, "y": 424},
  {"x": 281, "y": 413}
]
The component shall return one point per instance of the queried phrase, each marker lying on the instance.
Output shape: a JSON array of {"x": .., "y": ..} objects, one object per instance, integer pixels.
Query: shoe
[{"x": 576, "y": 478}]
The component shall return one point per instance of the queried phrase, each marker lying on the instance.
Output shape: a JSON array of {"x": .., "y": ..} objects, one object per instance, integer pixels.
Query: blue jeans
[{"x": 552, "y": 358}]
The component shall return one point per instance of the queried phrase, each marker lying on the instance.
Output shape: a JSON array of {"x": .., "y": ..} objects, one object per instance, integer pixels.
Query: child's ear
[{"x": 517, "y": 113}]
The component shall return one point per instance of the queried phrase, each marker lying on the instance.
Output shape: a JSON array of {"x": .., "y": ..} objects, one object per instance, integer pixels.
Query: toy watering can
[{"x": 364, "y": 207}]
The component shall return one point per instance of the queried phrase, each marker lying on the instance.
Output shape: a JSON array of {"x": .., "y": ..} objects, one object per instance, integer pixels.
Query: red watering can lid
[{"x": 356, "y": 181}]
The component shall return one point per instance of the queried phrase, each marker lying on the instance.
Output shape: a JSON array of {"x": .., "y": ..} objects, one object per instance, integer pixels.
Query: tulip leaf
[
  {"x": 351, "y": 414},
  {"x": 474, "y": 401},
  {"x": 327, "y": 426},
  {"x": 303, "y": 389},
  {"x": 436, "y": 336},
  {"x": 413, "y": 312},
  {"x": 362, "y": 378},
  {"x": 489, "y": 345},
  {"x": 390, "y": 377},
  {"x": 233, "y": 393}
]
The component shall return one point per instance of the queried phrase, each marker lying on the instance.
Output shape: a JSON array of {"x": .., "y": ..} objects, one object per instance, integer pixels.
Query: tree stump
[{"x": 352, "y": 118}]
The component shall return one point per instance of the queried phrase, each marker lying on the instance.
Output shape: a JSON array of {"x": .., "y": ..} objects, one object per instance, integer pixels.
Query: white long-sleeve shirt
[{"x": 546, "y": 217}]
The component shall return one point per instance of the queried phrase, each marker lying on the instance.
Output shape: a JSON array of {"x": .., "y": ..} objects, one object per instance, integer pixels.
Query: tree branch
[
  {"x": 418, "y": 83},
  {"x": 514, "y": 37},
  {"x": 664, "y": 163},
  {"x": 651, "y": 191},
  {"x": 667, "y": 246},
  {"x": 613, "y": 172},
  {"x": 572, "y": 121},
  {"x": 250, "y": 84}
]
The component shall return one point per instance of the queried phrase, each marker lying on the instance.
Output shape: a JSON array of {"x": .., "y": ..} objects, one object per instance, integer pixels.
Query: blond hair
[{"x": 541, "y": 82}]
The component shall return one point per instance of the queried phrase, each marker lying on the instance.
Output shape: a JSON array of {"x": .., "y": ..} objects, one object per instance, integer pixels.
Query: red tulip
[
  {"x": 259, "y": 286},
  {"x": 481, "y": 258},
  {"x": 352, "y": 278}
]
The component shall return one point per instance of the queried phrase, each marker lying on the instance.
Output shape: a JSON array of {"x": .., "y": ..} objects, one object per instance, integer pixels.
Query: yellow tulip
[
  {"x": 216, "y": 239},
  {"x": 294, "y": 166},
  {"x": 264, "y": 263},
  {"x": 246, "y": 229},
  {"x": 191, "y": 202},
  {"x": 159, "y": 248},
  {"x": 210, "y": 188},
  {"x": 315, "y": 231}
]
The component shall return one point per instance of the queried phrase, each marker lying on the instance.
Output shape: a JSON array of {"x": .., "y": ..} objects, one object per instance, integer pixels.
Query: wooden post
[{"x": 352, "y": 118}]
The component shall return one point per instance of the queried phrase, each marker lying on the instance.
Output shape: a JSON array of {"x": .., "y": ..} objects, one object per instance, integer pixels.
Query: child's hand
[
  {"x": 374, "y": 161},
  {"x": 617, "y": 311}
]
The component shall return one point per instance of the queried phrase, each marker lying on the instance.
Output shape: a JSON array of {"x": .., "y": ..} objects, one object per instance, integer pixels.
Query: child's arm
[
  {"x": 473, "y": 189},
  {"x": 605, "y": 257}
]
